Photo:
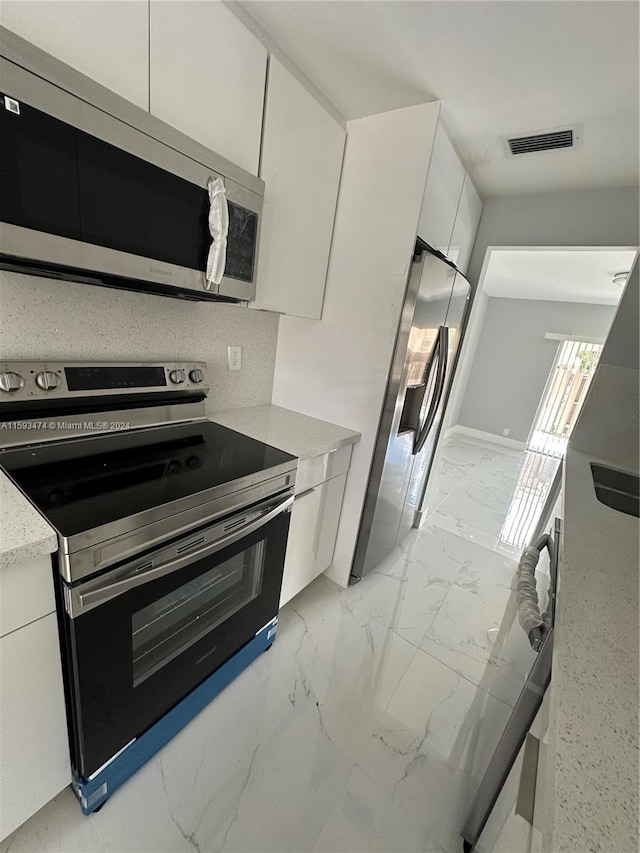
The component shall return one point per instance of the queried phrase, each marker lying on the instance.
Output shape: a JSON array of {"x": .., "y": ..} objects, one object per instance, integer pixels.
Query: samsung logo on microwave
[{"x": 160, "y": 271}]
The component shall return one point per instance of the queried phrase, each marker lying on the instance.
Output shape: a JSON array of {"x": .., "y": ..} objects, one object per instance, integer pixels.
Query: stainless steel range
[{"x": 172, "y": 533}]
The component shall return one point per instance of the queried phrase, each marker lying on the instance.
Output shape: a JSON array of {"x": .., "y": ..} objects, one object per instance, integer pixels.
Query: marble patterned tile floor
[{"x": 368, "y": 724}]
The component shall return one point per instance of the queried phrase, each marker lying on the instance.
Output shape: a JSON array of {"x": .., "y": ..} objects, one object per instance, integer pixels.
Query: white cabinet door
[
  {"x": 312, "y": 535},
  {"x": 466, "y": 226},
  {"x": 26, "y": 593},
  {"x": 107, "y": 41},
  {"x": 506, "y": 830},
  {"x": 207, "y": 76},
  {"x": 302, "y": 148},
  {"x": 442, "y": 194},
  {"x": 33, "y": 729}
]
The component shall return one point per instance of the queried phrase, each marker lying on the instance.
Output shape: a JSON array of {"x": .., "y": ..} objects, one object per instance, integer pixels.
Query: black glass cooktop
[{"x": 79, "y": 485}]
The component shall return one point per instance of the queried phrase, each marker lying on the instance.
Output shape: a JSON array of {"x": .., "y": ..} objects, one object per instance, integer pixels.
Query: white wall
[
  {"x": 46, "y": 319},
  {"x": 513, "y": 359},
  {"x": 612, "y": 406},
  {"x": 581, "y": 218},
  {"x": 623, "y": 344},
  {"x": 336, "y": 368}
]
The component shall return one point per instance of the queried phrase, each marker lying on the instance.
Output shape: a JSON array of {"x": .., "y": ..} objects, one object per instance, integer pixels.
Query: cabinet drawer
[
  {"x": 312, "y": 535},
  {"x": 316, "y": 469},
  {"x": 26, "y": 593},
  {"x": 33, "y": 728}
]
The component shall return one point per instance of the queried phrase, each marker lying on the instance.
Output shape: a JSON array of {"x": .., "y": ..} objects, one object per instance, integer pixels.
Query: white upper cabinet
[
  {"x": 107, "y": 41},
  {"x": 442, "y": 194},
  {"x": 302, "y": 149},
  {"x": 451, "y": 206},
  {"x": 207, "y": 76},
  {"x": 466, "y": 226}
]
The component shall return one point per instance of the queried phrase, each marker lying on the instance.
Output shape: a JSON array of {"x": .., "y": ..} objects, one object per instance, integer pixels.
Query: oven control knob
[
  {"x": 177, "y": 377},
  {"x": 11, "y": 381},
  {"x": 196, "y": 375},
  {"x": 47, "y": 380}
]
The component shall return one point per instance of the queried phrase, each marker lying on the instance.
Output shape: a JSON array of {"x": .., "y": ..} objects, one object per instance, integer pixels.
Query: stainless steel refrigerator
[{"x": 424, "y": 359}]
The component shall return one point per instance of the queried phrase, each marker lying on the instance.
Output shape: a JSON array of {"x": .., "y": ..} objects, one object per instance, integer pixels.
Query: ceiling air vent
[{"x": 541, "y": 142}]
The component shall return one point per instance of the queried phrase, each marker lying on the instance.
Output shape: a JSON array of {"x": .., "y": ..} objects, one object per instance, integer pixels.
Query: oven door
[{"x": 142, "y": 636}]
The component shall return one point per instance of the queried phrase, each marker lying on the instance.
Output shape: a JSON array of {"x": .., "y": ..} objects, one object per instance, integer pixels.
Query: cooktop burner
[{"x": 82, "y": 484}]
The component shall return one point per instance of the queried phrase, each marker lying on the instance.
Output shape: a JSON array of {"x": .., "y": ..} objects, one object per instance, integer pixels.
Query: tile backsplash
[{"x": 44, "y": 318}]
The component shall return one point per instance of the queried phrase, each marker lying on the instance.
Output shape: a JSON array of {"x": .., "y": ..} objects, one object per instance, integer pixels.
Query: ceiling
[
  {"x": 499, "y": 68},
  {"x": 557, "y": 275}
]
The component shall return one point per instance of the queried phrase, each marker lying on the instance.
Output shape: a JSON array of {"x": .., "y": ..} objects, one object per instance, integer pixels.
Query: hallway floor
[{"x": 366, "y": 726}]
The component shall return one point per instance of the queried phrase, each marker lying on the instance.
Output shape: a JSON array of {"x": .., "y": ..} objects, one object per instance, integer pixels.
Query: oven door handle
[{"x": 79, "y": 602}]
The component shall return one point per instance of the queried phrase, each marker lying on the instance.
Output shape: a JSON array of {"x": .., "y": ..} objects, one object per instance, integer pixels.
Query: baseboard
[{"x": 480, "y": 435}]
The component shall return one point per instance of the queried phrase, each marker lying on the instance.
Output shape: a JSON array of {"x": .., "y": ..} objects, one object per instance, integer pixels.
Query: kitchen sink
[{"x": 617, "y": 489}]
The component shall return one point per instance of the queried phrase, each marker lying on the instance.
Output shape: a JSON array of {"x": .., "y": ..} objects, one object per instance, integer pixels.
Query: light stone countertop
[
  {"x": 593, "y": 774},
  {"x": 297, "y": 434},
  {"x": 24, "y": 533}
]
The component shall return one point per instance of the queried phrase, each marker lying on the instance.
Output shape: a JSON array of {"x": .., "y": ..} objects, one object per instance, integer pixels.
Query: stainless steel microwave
[{"x": 95, "y": 189}]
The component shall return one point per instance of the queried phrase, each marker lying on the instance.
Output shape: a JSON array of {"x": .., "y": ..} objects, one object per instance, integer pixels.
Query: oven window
[{"x": 164, "y": 629}]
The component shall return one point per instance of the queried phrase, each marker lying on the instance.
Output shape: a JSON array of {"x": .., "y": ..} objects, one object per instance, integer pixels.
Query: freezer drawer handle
[{"x": 81, "y": 601}]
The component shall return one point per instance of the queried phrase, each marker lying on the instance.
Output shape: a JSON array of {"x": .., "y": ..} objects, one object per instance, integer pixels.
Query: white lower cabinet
[
  {"x": 26, "y": 593},
  {"x": 312, "y": 535},
  {"x": 525, "y": 791},
  {"x": 33, "y": 728}
]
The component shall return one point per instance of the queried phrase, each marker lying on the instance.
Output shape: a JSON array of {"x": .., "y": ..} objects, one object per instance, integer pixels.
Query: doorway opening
[
  {"x": 563, "y": 397},
  {"x": 558, "y": 411}
]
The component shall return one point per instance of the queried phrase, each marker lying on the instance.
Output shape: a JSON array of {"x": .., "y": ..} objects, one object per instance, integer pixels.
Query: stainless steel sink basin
[{"x": 617, "y": 489}]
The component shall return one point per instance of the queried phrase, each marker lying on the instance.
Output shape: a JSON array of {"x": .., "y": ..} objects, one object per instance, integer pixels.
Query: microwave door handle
[
  {"x": 218, "y": 221},
  {"x": 81, "y": 601},
  {"x": 443, "y": 357}
]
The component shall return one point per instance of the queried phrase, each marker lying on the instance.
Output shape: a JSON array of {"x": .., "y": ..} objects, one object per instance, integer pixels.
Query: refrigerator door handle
[
  {"x": 415, "y": 394},
  {"x": 443, "y": 363}
]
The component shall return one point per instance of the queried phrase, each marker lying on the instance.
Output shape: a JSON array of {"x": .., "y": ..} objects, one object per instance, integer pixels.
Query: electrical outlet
[
  {"x": 505, "y": 431},
  {"x": 234, "y": 358}
]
